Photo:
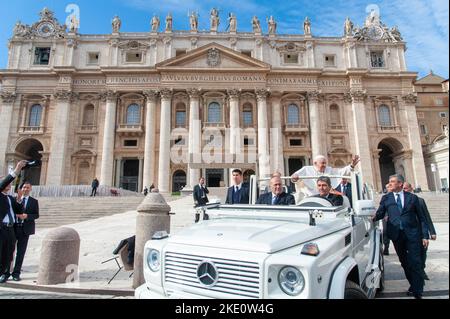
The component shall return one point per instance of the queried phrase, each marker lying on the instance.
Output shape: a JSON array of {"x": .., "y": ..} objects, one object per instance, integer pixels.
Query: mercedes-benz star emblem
[{"x": 207, "y": 273}]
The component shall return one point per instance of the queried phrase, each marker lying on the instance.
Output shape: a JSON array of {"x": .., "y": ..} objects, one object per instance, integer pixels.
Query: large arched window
[
  {"x": 88, "y": 115},
  {"x": 293, "y": 116},
  {"x": 334, "y": 114},
  {"x": 214, "y": 113},
  {"x": 35, "y": 115},
  {"x": 384, "y": 115},
  {"x": 133, "y": 114}
]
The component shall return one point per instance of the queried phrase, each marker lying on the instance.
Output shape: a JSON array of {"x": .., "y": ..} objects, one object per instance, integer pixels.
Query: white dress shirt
[
  {"x": 310, "y": 188},
  {"x": 402, "y": 197},
  {"x": 6, "y": 219}
]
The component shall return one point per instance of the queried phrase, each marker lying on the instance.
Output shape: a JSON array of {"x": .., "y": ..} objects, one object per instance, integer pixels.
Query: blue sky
[{"x": 423, "y": 24}]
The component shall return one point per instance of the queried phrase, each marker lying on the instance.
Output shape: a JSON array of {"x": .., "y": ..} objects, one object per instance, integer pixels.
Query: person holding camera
[
  {"x": 10, "y": 207},
  {"x": 24, "y": 226}
]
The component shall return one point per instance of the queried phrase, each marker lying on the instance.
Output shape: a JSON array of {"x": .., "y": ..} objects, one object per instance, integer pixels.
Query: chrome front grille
[{"x": 235, "y": 278}]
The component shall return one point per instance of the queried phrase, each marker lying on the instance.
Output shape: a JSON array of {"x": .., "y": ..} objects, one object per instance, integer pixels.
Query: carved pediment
[
  {"x": 133, "y": 45},
  {"x": 213, "y": 56}
]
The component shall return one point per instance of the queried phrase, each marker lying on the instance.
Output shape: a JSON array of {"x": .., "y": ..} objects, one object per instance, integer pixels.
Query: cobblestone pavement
[{"x": 12, "y": 293}]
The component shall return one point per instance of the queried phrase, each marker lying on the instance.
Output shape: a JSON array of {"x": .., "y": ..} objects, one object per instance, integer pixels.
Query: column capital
[
  {"x": 64, "y": 95},
  {"x": 109, "y": 95},
  {"x": 314, "y": 96},
  {"x": 234, "y": 93},
  {"x": 151, "y": 95},
  {"x": 410, "y": 98},
  {"x": 166, "y": 94},
  {"x": 7, "y": 96},
  {"x": 194, "y": 93},
  {"x": 356, "y": 95},
  {"x": 262, "y": 94}
]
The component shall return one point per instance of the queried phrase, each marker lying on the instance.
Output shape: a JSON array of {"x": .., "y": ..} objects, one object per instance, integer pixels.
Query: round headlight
[
  {"x": 291, "y": 280},
  {"x": 153, "y": 260}
]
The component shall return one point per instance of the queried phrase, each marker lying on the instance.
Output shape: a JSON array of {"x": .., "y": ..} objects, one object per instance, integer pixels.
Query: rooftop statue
[
  {"x": 155, "y": 23},
  {"x": 348, "y": 27},
  {"x": 272, "y": 25},
  {"x": 169, "y": 22},
  {"x": 193, "y": 21},
  {"x": 256, "y": 25},
  {"x": 116, "y": 24},
  {"x": 307, "y": 26},
  {"x": 232, "y": 22},
  {"x": 215, "y": 20}
]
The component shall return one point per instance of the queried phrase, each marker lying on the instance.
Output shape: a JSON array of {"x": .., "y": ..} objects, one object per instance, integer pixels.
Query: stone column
[
  {"x": 150, "y": 133},
  {"x": 234, "y": 146},
  {"x": 109, "y": 131},
  {"x": 277, "y": 135},
  {"x": 420, "y": 177},
  {"x": 164, "y": 141},
  {"x": 361, "y": 133},
  {"x": 263, "y": 136},
  {"x": 7, "y": 99},
  {"x": 57, "y": 159},
  {"x": 317, "y": 138},
  {"x": 194, "y": 135}
]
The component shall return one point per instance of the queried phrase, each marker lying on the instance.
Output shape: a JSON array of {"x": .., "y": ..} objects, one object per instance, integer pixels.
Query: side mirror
[{"x": 364, "y": 208}]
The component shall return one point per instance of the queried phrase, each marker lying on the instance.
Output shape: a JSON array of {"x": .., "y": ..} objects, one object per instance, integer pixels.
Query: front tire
[{"x": 353, "y": 291}]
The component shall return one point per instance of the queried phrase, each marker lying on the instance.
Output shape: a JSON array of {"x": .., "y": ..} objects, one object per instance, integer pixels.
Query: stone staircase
[
  {"x": 437, "y": 204},
  {"x": 59, "y": 211}
]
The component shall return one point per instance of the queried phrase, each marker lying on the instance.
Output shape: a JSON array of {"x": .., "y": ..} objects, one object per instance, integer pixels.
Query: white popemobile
[{"x": 310, "y": 250}]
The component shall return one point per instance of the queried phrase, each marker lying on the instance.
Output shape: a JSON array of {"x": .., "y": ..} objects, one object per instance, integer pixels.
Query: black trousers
[
  {"x": 410, "y": 255},
  {"x": 7, "y": 242},
  {"x": 94, "y": 191},
  {"x": 386, "y": 239},
  {"x": 22, "y": 243}
]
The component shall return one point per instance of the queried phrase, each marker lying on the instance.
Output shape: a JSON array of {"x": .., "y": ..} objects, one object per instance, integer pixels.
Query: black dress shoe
[
  {"x": 425, "y": 276},
  {"x": 16, "y": 277},
  {"x": 386, "y": 252},
  {"x": 3, "y": 279},
  {"x": 417, "y": 296}
]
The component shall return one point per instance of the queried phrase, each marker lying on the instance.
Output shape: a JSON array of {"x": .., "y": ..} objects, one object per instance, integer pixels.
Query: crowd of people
[
  {"x": 17, "y": 216},
  {"x": 406, "y": 219}
]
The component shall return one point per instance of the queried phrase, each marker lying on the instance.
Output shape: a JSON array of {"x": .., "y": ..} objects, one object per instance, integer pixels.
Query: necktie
[
  {"x": 343, "y": 189},
  {"x": 236, "y": 195},
  {"x": 10, "y": 216},
  {"x": 274, "y": 200},
  {"x": 399, "y": 202},
  {"x": 400, "y": 208}
]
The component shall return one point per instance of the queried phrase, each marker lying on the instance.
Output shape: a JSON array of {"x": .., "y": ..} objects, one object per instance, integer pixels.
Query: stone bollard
[
  {"x": 60, "y": 255},
  {"x": 153, "y": 215}
]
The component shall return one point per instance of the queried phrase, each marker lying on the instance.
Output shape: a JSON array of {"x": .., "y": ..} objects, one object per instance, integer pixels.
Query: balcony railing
[
  {"x": 296, "y": 127},
  {"x": 130, "y": 129},
  {"x": 214, "y": 124},
  {"x": 31, "y": 129},
  {"x": 336, "y": 127},
  {"x": 388, "y": 128},
  {"x": 88, "y": 128}
]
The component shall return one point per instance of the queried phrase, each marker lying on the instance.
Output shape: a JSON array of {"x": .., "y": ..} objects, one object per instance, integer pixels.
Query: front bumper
[{"x": 146, "y": 292}]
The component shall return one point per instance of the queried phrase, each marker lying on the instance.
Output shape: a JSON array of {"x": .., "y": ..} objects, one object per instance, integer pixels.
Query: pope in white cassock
[{"x": 320, "y": 168}]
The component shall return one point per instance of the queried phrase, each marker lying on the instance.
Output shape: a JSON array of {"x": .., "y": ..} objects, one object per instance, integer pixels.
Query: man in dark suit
[
  {"x": 407, "y": 228},
  {"x": 407, "y": 187},
  {"x": 24, "y": 227},
  {"x": 9, "y": 208},
  {"x": 345, "y": 188},
  {"x": 277, "y": 196},
  {"x": 324, "y": 189},
  {"x": 200, "y": 197},
  {"x": 239, "y": 192}
]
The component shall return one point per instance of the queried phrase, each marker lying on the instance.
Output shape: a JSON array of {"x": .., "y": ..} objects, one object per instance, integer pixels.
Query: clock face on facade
[
  {"x": 45, "y": 29},
  {"x": 375, "y": 33}
]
